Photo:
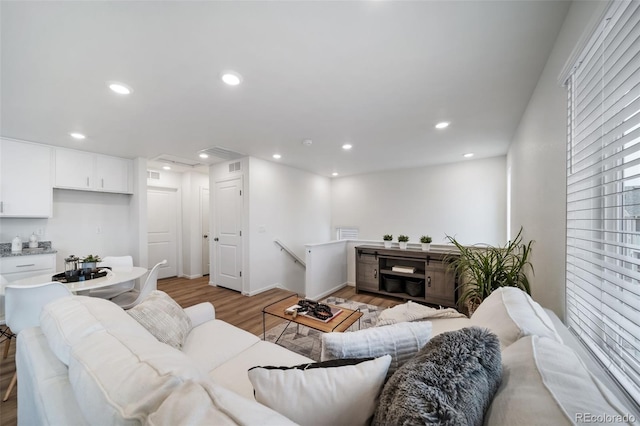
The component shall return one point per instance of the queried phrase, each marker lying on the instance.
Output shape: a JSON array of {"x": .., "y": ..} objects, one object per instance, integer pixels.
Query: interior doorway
[
  {"x": 228, "y": 202},
  {"x": 162, "y": 219}
]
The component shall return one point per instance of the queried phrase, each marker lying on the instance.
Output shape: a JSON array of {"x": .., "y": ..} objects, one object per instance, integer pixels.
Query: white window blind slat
[{"x": 603, "y": 195}]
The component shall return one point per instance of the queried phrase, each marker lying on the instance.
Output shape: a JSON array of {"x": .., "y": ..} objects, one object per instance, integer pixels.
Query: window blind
[{"x": 603, "y": 195}]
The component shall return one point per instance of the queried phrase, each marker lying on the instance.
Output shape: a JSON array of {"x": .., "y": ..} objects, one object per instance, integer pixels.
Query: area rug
[{"x": 308, "y": 342}]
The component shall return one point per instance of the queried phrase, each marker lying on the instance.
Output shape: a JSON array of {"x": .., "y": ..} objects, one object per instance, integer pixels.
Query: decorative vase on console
[
  {"x": 402, "y": 241},
  {"x": 388, "y": 240}
]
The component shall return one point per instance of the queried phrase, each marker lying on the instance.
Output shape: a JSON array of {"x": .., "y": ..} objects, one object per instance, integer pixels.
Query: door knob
[
  {"x": 215, "y": 239},
  {"x": 205, "y": 236}
]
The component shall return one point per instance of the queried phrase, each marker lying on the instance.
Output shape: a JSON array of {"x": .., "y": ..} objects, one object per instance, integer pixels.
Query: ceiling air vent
[
  {"x": 178, "y": 161},
  {"x": 224, "y": 153},
  {"x": 234, "y": 167},
  {"x": 153, "y": 175}
]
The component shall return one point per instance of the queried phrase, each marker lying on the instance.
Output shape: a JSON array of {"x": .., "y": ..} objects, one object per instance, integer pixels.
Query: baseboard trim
[
  {"x": 327, "y": 292},
  {"x": 262, "y": 290},
  {"x": 192, "y": 277}
]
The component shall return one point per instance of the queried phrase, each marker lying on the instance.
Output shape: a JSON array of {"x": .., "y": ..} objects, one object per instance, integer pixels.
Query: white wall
[
  {"x": 290, "y": 205},
  {"x": 465, "y": 199},
  {"x": 138, "y": 214},
  {"x": 326, "y": 268},
  {"x": 537, "y": 160}
]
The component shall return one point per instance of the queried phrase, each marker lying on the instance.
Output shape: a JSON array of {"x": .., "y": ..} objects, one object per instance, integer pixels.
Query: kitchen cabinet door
[
  {"x": 26, "y": 189},
  {"x": 74, "y": 169},
  {"x": 92, "y": 172},
  {"x": 113, "y": 174}
]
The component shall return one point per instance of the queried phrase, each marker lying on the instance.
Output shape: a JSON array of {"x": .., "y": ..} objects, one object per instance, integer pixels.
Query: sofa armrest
[{"x": 200, "y": 313}]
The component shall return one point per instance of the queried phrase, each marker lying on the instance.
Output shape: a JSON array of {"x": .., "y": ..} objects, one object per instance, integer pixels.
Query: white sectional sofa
[{"x": 92, "y": 363}]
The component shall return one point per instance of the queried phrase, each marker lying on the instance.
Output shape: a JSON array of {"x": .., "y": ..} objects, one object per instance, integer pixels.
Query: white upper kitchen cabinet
[
  {"x": 26, "y": 188},
  {"x": 92, "y": 172},
  {"x": 113, "y": 174}
]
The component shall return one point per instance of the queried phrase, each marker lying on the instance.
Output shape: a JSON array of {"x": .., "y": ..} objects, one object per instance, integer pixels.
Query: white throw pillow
[
  {"x": 402, "y": 341},
  {"x": 163, "y": 317},
  {"x": 344, "y": 395},
  {"x": 545, "y": 383},
  {"x": 511, "y": 314}
]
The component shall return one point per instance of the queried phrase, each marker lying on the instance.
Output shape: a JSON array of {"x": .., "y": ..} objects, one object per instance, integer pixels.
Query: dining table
[{"x": 114, "y": 276}]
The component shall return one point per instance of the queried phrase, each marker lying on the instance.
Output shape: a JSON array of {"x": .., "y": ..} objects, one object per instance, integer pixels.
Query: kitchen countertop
[{"x": 44, "y": 247}]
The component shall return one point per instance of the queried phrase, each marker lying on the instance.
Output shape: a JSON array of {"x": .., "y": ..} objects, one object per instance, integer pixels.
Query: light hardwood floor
[{"x": 232, "y": 307}]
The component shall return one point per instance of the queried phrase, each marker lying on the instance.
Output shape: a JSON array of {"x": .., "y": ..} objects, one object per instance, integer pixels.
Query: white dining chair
[
  {"x": 4, "y": 330},
  {"x": 23, "y": 305},
  {"x": 114, "y": 262},
  {"x": 131, "y": 298}
]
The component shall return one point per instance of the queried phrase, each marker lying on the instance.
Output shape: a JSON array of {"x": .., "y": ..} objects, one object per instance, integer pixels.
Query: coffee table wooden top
[{"x": 339, "y": 323}]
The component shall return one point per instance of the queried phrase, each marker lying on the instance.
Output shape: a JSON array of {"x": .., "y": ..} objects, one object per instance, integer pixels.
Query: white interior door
[
  {"x": 228, "y": 234},
  {"x": 162, "y": 217},
  {"x": 204, "y": 218}
]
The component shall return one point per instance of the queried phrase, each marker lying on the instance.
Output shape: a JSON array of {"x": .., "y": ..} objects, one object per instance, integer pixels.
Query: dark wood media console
[{"x": 427, "y": 278}]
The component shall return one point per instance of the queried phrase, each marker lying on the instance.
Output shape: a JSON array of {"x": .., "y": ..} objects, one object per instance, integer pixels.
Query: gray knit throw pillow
[{"x": 450, "y": 381}]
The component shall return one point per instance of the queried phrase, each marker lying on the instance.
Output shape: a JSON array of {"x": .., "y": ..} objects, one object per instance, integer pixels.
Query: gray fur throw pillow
[{"x": 450, "y": 381}]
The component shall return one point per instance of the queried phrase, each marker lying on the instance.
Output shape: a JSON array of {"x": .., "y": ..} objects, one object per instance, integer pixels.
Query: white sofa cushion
[
  {"x": 162, "y": 317},
  {"x": 44, "y": 391},
  {"x": 233, "y": 373},
  {"x": 120, "y": 379},
  {"x": 68, "y": 320},
  {"x": 209, "y": 404},
  {"x": 200, "y": 313},
  {"x": 402, "y": 341},
  {"x": 344, "y": 395},
  {"x": 545, "y": 383},
  {"x": 511, "y": 314},
  {"x": 216, "y": 342}
]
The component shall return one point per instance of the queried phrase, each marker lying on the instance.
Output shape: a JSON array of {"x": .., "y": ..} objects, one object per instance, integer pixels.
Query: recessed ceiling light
[
  {"x": 232, "y": 78},
  {"x": 277, "y": 156},
  {"x": 204, "y": 155},
  {"x": 78, "y": 136},
  {"x": 119, "y": 88},
  {"x": 468, "y": 155},
  {"x": 166, "y": 167},
  {"x": 334, "y": 174},
  {"x": 347, "y": 146},
  {"x": 442, "y": 125}
]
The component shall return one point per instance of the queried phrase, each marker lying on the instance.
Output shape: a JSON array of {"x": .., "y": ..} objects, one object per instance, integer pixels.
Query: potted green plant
[
  {"x": 388, "y": 240},
  {"x": 402, "y": 241},
  {"x": 426, "y": 242},
  {"x": 90, "y": 263},
  {"x": 483, "y": 269}
]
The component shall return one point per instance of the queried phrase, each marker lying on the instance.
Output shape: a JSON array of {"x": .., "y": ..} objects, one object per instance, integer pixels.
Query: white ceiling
[{"x": 376, "y": 74}]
